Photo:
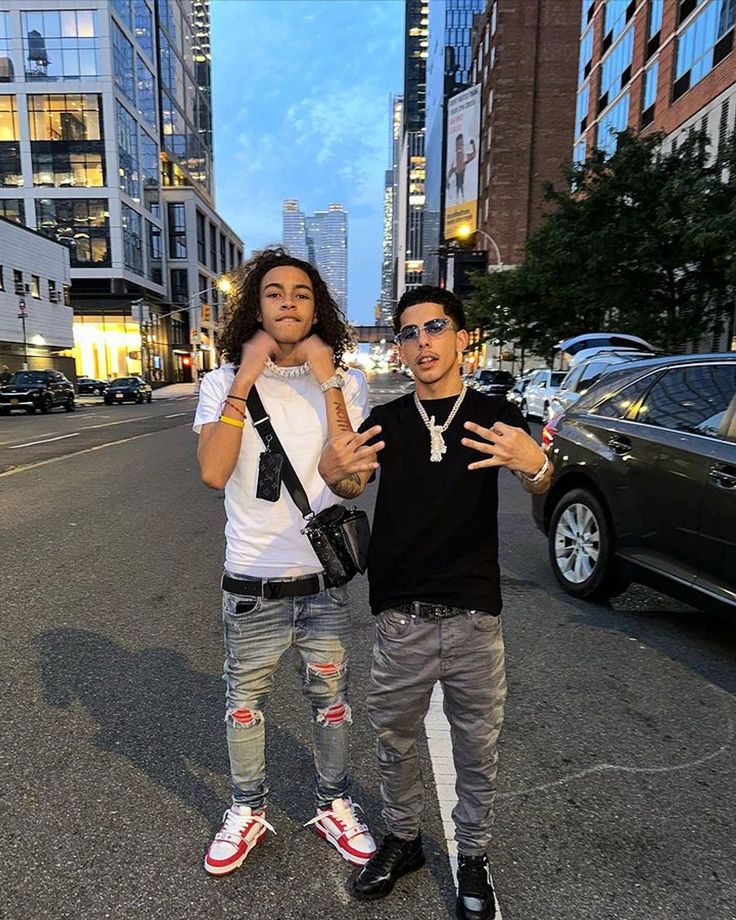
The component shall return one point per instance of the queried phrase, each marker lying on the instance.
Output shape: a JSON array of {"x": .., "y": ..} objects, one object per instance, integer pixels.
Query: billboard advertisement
[{"x": 461, "y": 163}]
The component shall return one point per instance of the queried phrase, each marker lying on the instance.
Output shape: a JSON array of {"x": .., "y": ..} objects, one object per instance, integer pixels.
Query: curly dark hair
[{"x": 241, "y": 321}]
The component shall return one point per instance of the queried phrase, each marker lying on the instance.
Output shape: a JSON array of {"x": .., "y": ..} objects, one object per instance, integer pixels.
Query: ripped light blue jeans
[{"x": 257, "y": 633}]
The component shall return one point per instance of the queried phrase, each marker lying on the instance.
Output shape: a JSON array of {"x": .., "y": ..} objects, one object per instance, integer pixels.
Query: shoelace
[
  {"x": 344, "y": 816},
  {"x": 474, "y": 878},
  {"x": 235, "y": 824}
]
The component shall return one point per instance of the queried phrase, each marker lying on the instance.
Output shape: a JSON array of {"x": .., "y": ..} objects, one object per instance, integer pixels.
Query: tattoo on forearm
[
  {"x": 343, "y": 419},
  {"x": 349, "y": 487}
]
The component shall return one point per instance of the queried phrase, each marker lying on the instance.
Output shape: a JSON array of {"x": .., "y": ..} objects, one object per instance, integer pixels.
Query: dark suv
[
  {"x": 645, "y": 483},
  {"x": 493, "y": 382},
  {"x": 31, "y": 390}
]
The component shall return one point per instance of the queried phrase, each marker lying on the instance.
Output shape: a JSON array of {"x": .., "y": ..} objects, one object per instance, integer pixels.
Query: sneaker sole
[
  {"x": 348, "y": 857},
  {"x": 219, "y": 871},
  {"x": 412, "y": 866}
]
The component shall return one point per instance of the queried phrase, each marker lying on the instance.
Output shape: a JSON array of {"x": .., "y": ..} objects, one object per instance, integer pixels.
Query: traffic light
[
  {"x": 206, "y": 313},
  {"x": 186, "y": 361}
]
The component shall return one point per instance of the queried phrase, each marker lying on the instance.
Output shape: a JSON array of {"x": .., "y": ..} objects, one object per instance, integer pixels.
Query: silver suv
[
  {"x": 537, "y": 398},
  {"x": 583, "y": 374}
]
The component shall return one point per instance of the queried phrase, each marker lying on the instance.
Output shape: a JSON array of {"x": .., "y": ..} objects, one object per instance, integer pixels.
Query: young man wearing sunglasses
[{"x": 435, "y": 586}]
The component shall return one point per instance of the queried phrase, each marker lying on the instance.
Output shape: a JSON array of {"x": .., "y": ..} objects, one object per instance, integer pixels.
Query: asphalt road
[{"x": 617, "y": 778}]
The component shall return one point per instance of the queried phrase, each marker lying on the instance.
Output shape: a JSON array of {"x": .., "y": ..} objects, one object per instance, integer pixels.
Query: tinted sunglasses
[{"x": 433, "y": 328}]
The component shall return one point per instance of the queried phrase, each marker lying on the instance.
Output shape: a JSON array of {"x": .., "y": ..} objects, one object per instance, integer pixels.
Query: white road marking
[
  {"x": 125, "y": 421},
  {"x": 175, "y": 415},
  {"x": 76, "y": 453},
  {"x": 45, "y": 441},
  {"x": 439, "y": 741}
]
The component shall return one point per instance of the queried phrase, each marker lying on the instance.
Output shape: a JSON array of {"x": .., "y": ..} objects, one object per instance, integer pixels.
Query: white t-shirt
[{"x": 264, "y": 538}]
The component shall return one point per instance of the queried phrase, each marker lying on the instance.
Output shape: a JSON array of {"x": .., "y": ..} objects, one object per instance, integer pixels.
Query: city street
[{"x": 617, "y": 798}]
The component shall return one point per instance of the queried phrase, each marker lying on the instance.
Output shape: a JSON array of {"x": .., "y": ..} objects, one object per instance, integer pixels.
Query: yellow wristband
[{"x": 232, "y": 421}]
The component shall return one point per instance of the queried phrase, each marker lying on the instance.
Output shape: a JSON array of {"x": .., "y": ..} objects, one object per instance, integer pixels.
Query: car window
[
  {"x": 690, "y": 399},
  {"x": 556, "y": 378},
  {"x": 626, "y": 400},
  {"x": 591, "y": 373},
  {"x": 571, "y": 379},
  {"x": 534, "y": 381}
]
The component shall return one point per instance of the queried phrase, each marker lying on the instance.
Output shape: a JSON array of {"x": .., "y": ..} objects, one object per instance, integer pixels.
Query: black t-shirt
[{"x": 435, "y": 526}]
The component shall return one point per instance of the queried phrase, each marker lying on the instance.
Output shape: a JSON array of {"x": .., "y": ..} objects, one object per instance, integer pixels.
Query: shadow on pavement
[{"x": 151, "y": 707}]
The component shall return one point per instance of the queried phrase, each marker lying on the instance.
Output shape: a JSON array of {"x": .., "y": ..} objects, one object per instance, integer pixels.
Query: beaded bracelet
[{"x": 232, "y": 421}]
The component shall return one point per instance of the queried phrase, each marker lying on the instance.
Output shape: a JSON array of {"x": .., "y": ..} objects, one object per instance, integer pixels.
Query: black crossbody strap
[{"x": 262, "y": 423}]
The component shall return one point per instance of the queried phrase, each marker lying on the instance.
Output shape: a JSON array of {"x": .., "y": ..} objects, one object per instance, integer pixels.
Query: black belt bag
[{"x": 339, "y": 535}]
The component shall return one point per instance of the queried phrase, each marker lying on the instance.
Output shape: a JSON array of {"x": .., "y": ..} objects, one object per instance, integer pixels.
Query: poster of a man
[
  {"x": 461, "y": 162},
  {"x": 458, "y": 167}
]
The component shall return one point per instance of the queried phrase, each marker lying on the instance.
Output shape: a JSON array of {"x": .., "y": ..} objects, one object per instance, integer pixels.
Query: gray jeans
[{"x": 466, "y": 655}]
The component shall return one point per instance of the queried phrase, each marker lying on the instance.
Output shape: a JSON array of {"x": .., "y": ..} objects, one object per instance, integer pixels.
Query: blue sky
[{"x": 301, "y": 110}]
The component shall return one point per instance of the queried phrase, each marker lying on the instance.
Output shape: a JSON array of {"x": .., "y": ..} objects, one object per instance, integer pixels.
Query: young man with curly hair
[
  {"x": 285, "y": 336},
  {"x": 435, "y": 588}
]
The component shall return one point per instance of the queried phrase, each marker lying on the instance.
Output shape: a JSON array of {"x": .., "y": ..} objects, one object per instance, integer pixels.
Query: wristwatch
[
  {"x": 335, "y": 381},
  {"x": 541, "y": 472}
]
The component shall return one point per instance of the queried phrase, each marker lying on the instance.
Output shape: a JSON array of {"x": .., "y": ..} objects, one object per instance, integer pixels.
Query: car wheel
[
  {"x": 139, "y": 399},
  {"x": 4, "y": 411},
  {"x": 31, "y": 410},
  {"x": 524, "y": 408},
  {"x": 150, "y": 398},
  {"x": 580, "y": 547},
  {"x": 96, "y": 391},
  {"x": 546, "y": 414},
  {"x": 47, "y": 405},
  {"x": 69, "y": 405},
  {"x": 108, "y": 402}
]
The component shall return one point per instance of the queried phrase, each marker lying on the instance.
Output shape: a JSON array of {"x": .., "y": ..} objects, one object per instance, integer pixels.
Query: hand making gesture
[
  {"x": 348, "y": 454},
  {"x": 505, "y": 445}
]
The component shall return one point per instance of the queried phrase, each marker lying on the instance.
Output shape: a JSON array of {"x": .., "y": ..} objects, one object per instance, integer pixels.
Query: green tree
[{"x": 643, "y": 241}]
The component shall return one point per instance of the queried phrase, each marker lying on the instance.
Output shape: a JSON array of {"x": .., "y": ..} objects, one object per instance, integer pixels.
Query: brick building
[
  {"x": 524, "y": 56},
  {"x": 656, "y": 65}
]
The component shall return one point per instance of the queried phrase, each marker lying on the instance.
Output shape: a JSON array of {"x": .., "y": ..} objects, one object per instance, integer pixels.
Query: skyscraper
[
  {"x": 322, "y": 240},
  {"x": 448, "y": 72},
  {"x": 389, "y": 264},
  {"x": 411, "y": 163},
  {"x": 112, "y": 104}
]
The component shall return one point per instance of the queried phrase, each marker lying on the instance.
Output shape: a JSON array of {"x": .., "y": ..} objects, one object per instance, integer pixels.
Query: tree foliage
[{"x": 643, "y": 241}]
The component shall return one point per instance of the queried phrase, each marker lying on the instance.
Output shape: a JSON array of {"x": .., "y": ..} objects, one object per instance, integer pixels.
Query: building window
[
  {"x": 201, "y": 242},
  {"x": 150, "y": 172},
  {"x": 67, "y": 168},
  {"x": 11, "y": 175},
  {"x": 213, "y": 247},
  {"x": 128, "y": 161},
  {"x": 146, "y": 95},
  {"x": 615, "y": 120},
  {"x": 7, "y": 69},
  {"x": 18, "y": 283},
  {"x": 2, "y": 279},
  {"x": 60, "y": 45},
  {"x": 581, "y": 110},
  {"x": 67, "y": 117},
  {"x": 586, "y": 55},
  {"x": 232, "y": 256},
  {"x": 82, "y": 224},
  {"x": 144, "y": 26},
  {"x": 155, "y": 253},
  {"x": 53, "y": 292},
  {"x": 617, "y": 14},
  {"x": 704, "y": 43},
  {"x": 616, "y": 70},
  {"x": 202, "y": 288},
  {"x": 35, "y": 287},
  {"x": 177, "y": 231},
  {"x": 124, "y": 10},
  {"x": 655, "y": 17},
  {"x": 649, "y": 93},
  {"x": 122, "y": 63},
  {"x": 13, "y": 209},
  {"x": 179, "y": 285},
  {"x": 132, "y": 240}
]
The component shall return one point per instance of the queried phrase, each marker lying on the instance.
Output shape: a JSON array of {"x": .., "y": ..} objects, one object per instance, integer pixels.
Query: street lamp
[
  {"x": 22, "y": 314},
  {"x": 464, "y": 232}
]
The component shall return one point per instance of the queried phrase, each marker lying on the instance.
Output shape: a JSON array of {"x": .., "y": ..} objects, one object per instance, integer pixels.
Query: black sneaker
[
  {"x": 394, "y": 858},
  {"x": 475, "y": 898}
]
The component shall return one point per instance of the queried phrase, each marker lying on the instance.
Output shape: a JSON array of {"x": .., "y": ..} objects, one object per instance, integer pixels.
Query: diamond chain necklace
[{"x": 437, "y": 446}]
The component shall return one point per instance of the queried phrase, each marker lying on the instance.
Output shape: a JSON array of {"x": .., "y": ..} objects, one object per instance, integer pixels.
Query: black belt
[
  {"x": 274, "y": 588},
  {"x": 434, "y": 611}
]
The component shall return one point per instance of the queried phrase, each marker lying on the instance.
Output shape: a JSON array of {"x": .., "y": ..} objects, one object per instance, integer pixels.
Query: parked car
[
  {"x": 576, "y": 346},
  {"x": 516, "y": 393},
  {"x": 134, "y": 389},
  {"x": 538, "y": 395},
  {"x": 31, "y": 390},
  {"x": 90, "y": 386},
  {"x": 644, "y": 487},
  {"x": 493, "y": 382},
  {"x": 584, "y": 374}
]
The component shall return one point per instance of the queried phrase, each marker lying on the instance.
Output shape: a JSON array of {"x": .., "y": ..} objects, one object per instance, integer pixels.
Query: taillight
[{"x": 550, "y": 430}]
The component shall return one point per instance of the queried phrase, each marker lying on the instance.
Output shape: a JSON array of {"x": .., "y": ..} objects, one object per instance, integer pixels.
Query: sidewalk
[{"x": 175, "y": 391}]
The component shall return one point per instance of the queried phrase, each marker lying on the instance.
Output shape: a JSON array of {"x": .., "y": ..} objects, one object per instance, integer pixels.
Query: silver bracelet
[{"x": 540, "y": 474}]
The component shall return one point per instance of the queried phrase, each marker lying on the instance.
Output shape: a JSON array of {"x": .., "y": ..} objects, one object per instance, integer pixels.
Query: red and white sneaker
[
  {"x": 340, "y": 826},
  {"x": 241, "y": 830}
]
